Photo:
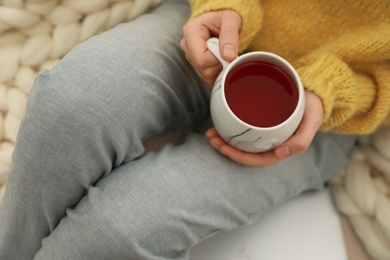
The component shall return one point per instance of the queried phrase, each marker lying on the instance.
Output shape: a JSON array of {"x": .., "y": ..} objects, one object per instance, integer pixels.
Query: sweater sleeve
[
  {"x": 356, "y": 96},
  {"x": 351, "y": 75},
  {"x": 251, "y": 14}
]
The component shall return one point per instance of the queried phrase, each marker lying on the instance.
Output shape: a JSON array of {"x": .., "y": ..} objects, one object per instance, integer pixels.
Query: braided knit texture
[{"x": 361, "y": 191}]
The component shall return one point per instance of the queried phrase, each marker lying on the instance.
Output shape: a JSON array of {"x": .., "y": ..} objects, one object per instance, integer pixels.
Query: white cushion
[{"x": 304, "y": 228}]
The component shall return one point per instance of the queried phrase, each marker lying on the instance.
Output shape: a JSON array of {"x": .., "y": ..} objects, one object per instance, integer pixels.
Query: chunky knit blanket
[
  {"x": 361, "y": 191},
  {"x": 36, "y": 34}
]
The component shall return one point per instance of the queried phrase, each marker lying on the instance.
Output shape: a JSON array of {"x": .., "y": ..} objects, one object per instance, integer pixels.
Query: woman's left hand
[{"x": 296, "y": 144}]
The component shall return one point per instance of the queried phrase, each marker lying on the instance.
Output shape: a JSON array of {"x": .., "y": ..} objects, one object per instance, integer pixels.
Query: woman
[{"x": 78, "y": 188}]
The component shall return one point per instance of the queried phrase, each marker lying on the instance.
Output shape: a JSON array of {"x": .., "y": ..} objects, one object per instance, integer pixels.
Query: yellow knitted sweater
[{"x": 341, "y": 50}]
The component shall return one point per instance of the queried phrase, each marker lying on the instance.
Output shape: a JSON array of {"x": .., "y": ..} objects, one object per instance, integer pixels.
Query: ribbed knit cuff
[
  {"x": 346, "y": 96},
  {"x": 250, "y": 11}
]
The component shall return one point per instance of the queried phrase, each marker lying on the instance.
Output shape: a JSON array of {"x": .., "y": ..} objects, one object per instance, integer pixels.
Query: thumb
[{"x": 229, "y": 35}]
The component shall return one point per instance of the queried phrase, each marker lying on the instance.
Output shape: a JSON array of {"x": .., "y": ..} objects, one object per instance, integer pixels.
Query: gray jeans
[{"x": 77, "y": 187}]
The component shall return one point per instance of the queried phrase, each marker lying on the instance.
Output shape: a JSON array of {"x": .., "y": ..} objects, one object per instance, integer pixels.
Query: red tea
[{"x": 260, "y": 93}]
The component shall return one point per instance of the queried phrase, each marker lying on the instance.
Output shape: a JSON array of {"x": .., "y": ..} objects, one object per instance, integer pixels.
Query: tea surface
[{"x": 260, "y": 93}]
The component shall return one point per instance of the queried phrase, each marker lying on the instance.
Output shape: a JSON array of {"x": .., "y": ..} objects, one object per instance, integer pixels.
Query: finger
[
  {"x": 212, "y": 132},
  {"x": 214, "y": 138},
  {"x": 208, "y": 74},
  {"x": 249, "y": 159},
  {"x": 229, "y": 35},
  {"x": 217, "y": 142},
  {"x": 302, "y": 138},
  {"x": 244, "y": 158},
  {"x": 298, "y": 142},
  {"x": 195, "y": 46}
]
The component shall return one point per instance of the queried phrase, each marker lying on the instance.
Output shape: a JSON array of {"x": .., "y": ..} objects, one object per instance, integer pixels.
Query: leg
[
  {"x": 159, "y": 206},
  {"x": 90, "y": 114}
]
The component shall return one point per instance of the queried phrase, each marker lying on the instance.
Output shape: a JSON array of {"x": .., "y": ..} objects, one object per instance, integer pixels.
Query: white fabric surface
[{"x": 304, "y": 228}]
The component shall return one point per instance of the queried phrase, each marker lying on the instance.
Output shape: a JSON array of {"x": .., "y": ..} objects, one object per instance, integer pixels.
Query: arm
[
  {"x": 355, "y": 95},
  {"x": 352, "y": 76}
]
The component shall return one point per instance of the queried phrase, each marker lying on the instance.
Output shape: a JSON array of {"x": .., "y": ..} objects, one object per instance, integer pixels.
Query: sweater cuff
[
  {"x": 346, "y": 96},
  {"x": 251, "y": 14}
]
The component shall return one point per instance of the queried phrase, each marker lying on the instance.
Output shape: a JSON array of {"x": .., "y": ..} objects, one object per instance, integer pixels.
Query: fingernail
[
  {"x": 229, "y": 50},
  {"x": 283, "y": 152}
]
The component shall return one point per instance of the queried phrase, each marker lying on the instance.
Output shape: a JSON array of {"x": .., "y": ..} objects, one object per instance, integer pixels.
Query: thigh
[
  {"x": 162, "y": 204},
  {"x": 134, "y": 74}
]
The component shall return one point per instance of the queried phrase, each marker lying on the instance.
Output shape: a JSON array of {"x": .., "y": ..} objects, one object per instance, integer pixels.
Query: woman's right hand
[{"x": 225, "y": 25}]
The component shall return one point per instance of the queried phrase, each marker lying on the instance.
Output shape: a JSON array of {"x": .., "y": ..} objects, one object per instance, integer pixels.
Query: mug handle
[{"x": 213, "y": 46}]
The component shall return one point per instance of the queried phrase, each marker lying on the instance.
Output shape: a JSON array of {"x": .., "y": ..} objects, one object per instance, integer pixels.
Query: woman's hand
[
  {"x": 224, "y": 24},
  {"x": 296, "y": 144}
]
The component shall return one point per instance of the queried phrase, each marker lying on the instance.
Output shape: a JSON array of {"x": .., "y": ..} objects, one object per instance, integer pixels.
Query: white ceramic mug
[{"x": 231, "y": 126}]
